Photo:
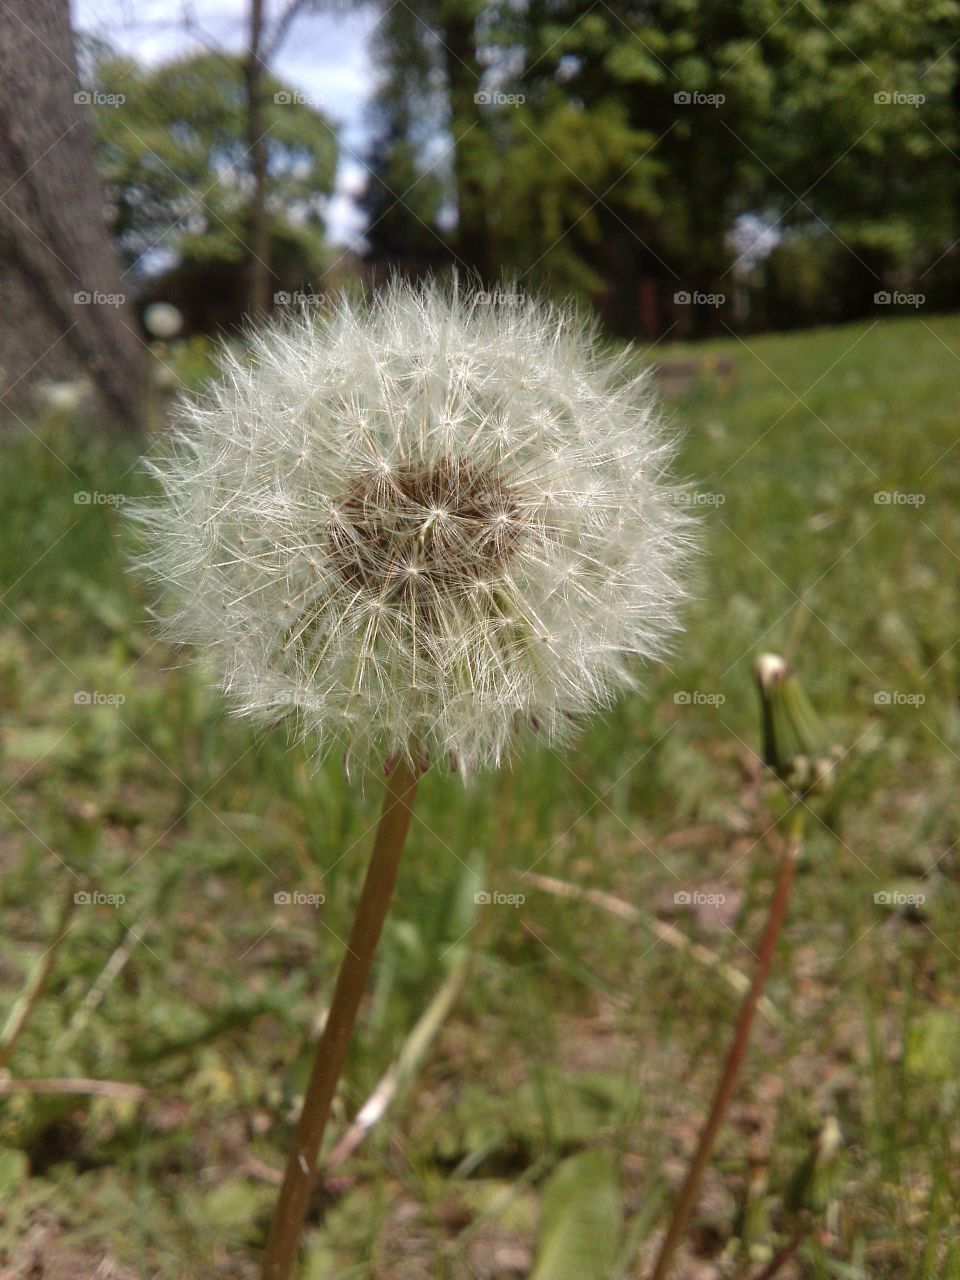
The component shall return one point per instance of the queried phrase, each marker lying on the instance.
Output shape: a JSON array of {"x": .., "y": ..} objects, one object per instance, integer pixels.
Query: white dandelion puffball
[
  {"x": 421, "y": 525},
  {"x": 163, "y": 320}
]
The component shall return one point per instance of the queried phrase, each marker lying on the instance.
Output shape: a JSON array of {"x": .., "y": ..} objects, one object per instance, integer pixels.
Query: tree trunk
[
  {"x": 259, "y": 230},
  {"x": 63, "y": 306}
]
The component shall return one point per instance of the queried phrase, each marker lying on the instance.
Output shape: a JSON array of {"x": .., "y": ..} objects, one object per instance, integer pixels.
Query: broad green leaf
[
  {"x": 14, "y": 1171},
  {"x": 580, "y": 1230},
  {"x": 933, "y": 1045},
  {"x": 233, "y": 1207}
]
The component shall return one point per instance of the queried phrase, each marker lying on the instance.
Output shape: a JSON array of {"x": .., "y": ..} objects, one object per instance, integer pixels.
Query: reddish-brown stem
[
  {"x": 731, "y": 1068},
  {"x": 783, "y": 1256},
  {"x": 301, "y": 1171}
]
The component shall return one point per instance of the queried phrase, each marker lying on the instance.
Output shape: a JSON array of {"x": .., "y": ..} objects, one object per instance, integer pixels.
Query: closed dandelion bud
[
  {"x": 418, "y": 526},
  {"x": 752, "y": 1224},
  {"x": 84, "y": 824},
  {"x": 819, "y": 1177},
  {"x": 794, "y": 740}
]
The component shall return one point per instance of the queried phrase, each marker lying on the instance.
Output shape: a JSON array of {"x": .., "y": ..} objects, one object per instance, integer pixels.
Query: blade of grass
[{"x": 673, "y": 937}]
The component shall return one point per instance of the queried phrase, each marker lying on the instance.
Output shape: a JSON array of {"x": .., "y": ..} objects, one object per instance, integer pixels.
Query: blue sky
[{"x": 324, "y": 55}]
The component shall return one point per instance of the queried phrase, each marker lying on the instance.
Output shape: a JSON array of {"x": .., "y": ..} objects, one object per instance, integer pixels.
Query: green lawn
[{"x": 553, "y": 1110}]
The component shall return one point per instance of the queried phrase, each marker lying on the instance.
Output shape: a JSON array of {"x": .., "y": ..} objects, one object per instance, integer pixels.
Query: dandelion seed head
[{"x": 421, "y": 526}]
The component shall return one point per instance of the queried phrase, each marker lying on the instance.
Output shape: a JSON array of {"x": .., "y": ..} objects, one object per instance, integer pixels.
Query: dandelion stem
[
  {"x": 741, "y": 1036},
  {"x": 783, "y": 1256},
  {"x": 300, "y": 1175}
]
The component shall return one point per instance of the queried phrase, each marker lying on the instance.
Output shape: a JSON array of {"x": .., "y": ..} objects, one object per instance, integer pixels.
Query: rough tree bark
[{"x": 59, "y": 318}]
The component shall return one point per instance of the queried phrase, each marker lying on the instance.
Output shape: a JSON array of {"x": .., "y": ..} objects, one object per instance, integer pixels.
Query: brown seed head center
[{"x": 429, "y": 530}]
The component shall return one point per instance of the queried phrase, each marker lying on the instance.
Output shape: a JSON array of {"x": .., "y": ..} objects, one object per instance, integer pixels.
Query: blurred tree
[
  {"x": 430, "y": 92},
  {"x": 254, "y": 70},
  {"x": 454, "y": 27},
  {"x": 404, "y": 195},
  {"x": 264, "y": 41},
  {"x": 177, "y": 163},
  {"x": 614, "y": 151},
  {"x": 650, "y": 116},
  {"x": 798, "y": 118},
  {"x": 62, "y": 310}
]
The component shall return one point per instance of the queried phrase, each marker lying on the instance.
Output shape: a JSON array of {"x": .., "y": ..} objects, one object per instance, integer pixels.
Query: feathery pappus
[{"x": 421, "y": 525}]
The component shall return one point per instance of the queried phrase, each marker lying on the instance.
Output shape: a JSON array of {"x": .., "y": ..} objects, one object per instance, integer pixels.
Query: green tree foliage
[
  {"x": 176, "y": 162},
  {"x": 428, "y": 123},
  {"x": 623, "y": 144}
]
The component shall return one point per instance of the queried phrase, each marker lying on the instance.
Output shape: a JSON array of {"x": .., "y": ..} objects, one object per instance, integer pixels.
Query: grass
[{"x": 545, "y": 1130}]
